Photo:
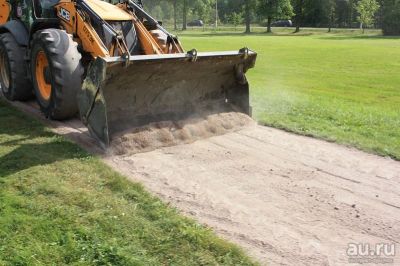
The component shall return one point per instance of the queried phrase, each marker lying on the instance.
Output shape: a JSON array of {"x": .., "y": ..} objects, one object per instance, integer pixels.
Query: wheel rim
[
  {"x": 4, "y": 71},
  {"x": 42, "y": 65}
]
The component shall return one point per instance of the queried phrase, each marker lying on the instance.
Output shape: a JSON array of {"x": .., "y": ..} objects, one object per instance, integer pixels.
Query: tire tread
[
  {"x": 62, "y": 54},
  {"x": 20, "y": 85}
]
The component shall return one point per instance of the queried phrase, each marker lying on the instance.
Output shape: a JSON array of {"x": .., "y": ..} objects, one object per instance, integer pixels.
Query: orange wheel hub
[{"x": 42, "y": 66}]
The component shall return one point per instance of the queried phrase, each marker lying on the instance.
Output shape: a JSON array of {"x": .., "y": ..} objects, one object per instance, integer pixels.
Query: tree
[
  {"x": 331, "y": 11},
  {"x": 344, "y": 13},
  {"x": 157, "y": 12},
  {"x": 272, "y": 9},
  {"x": 236, "y": 19},
  {"x": 249, "y": 6},
  {"x": 315, "y": 13},
  {"x": 175, "y": 14},
  {"x": 204, "y": 10},
  {"x": 247, "y": 16},
  {"x": 351, "y": 5},
  {"x": 391, "y": 17},
  {"x": 228, "y": 7},
  {"x": 299, "y": 9},
  {"x": 196, "y": 9},
  {"x": 184, "y": 14},
  {"x": 366, "y": 10}
]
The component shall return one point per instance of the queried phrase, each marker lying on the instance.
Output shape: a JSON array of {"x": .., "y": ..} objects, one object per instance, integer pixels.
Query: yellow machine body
[
  {"x": 125, "y": 88},
  {"x": 4, "y": 11}
]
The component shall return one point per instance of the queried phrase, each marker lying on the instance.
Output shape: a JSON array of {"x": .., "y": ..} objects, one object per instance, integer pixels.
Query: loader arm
[
  {"x": 76, "y": 23},
  {"x": 173, "y": 44},
  {"x": 149, "y": 45},
  {"x": 76, "y": 17}
]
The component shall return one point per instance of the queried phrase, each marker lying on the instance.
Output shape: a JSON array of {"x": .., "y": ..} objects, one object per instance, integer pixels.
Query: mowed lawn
[
  {"x": 340, "y": 87},
  {"x": 62, "y": 206}
]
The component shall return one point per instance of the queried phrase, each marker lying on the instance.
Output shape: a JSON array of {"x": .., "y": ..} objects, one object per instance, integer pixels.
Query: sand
[
  {"x": 286, "y": 199},
  {"x": 169, "y": 133}
]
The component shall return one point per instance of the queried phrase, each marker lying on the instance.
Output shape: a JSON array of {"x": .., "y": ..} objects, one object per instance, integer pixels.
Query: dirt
[
  {"x": 168, "y": 133},
  {"x": 287, "y": 199}
]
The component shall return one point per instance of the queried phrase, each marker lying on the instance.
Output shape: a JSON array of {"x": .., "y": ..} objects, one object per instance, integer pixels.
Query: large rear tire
[
  {"x": 56, "y": 73},
  {"x": 13, "y": 70}
]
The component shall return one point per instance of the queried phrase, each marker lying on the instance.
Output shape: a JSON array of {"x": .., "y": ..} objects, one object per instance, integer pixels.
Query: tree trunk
[
  {"x": 175, "y": 25},
  {"x": 299, "y": 15},
  {"x": 216, "y": 14},
  {"x": 184, "y": 23},
  {"x": 248, "y": 17},
  {"x": 269, "y": 21},
  {"x": 351, "y": 4}
]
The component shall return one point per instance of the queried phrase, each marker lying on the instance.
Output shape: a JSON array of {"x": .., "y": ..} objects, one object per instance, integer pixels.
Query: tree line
[{"x": 329, "y": 14}]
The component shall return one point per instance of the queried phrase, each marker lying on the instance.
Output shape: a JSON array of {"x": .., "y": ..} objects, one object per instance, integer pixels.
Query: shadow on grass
[
  {"x": 334, "y": 35},
  {"x": 26, "y": 156},
  {"x": 359, "y": 37},
  {"x": 242, "y": 34},
  {"x": 25, "y": 143}
]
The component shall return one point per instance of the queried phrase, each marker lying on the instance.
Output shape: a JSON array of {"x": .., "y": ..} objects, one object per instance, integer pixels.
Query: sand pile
[{"x": 170, "y": 133}]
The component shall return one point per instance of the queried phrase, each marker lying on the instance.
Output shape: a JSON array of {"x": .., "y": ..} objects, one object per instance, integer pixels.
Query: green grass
[
  {"x": 59, "y": 205},
  {"x": 343, "y": 87}
]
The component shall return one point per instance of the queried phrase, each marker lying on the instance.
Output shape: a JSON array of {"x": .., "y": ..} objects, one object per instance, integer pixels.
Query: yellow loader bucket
[{"x": 118, "y": 95}]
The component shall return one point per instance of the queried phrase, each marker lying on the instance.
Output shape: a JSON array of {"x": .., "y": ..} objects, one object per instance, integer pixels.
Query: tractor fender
[{"x": 18, "y": 30}]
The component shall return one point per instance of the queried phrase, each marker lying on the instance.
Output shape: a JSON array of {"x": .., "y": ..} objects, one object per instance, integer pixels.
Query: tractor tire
[
  {"x": 57, "y": 73},
  {"x": 13, "y": 70}
]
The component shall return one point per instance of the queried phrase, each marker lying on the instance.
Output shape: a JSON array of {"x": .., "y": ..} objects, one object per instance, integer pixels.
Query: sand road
[{"x": 286, "y": 199}]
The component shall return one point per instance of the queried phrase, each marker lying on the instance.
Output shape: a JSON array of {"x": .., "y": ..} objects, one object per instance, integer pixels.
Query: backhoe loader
[{"x": 113, "y": 64}]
